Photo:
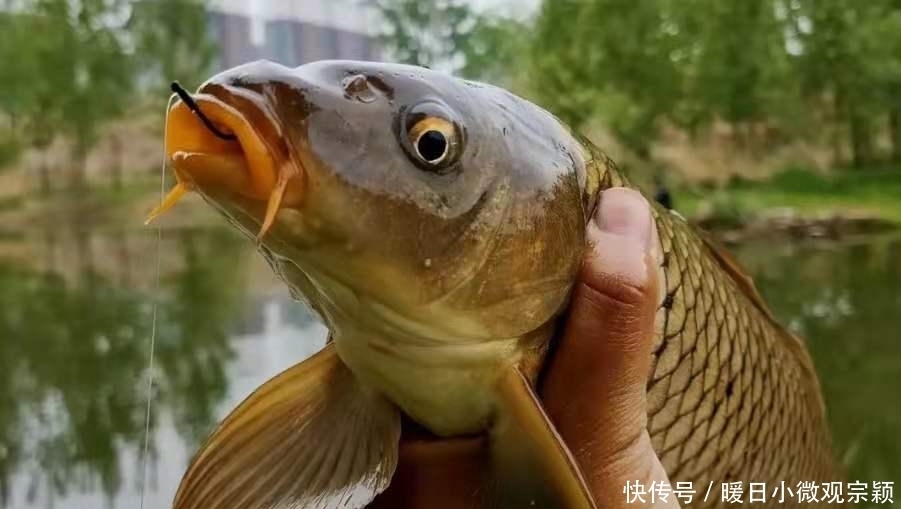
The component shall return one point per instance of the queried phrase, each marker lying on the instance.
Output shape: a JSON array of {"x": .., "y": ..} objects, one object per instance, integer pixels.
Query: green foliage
[
  {"x": 29, "y": 79},
  {"x": 82, "y": 341},
  {"x": 863, "y": 192},
  {"x": 801, "y": 180},
  {"x": 426, "y": 34},
  {"x": 493, "y": 51},
  {"x": 636, "y": 66},
  {"x": 171, "y": 42},
  {"x": 560, "y": 69},
  {"x": 613, "y": 59},
  {"x": 845, "y": 49},
  {"x": 741, "y": 65},
  {"x": 726, "y": 210},
  {"x": 9, "y": 152},
  {"x": 448, "y": 34},
  {"x": 93, "y": 69},
  {"x": 825, "y": 71},
  {"x": 88, "y": 64},
  {"x": 857, "y": 183}
]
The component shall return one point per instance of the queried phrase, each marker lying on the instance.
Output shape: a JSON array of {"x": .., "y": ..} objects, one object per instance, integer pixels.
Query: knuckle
[{"x": 608, "y": 291}]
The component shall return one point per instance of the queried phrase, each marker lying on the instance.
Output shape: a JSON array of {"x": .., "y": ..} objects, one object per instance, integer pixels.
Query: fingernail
[{"x": 626, "y": 212}]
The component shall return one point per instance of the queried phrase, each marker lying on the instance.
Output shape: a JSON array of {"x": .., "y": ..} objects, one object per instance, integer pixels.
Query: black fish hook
[{"x": 186, "y": 97}]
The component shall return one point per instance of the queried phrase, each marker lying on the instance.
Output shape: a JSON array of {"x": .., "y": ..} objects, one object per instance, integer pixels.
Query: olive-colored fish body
[
  {"x": 733, "y": 395},
  {"x": 437, "y": 225}
]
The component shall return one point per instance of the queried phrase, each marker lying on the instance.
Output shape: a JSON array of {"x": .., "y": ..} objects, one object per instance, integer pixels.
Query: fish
[{"x": 437, "y": 226}]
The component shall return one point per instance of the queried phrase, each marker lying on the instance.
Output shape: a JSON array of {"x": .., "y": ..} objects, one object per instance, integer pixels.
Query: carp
[{"x": 437, "y": 226}]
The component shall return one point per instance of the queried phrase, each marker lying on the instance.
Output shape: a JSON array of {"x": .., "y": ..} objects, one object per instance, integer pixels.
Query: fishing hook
[{"x": 186, "y": 97}]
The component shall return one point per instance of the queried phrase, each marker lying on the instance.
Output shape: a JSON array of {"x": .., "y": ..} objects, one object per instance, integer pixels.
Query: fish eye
[{"x": 431, "y": 137}]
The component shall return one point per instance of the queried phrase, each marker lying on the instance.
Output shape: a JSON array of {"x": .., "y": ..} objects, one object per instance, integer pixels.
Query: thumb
[{"x": 595, "y": 389}]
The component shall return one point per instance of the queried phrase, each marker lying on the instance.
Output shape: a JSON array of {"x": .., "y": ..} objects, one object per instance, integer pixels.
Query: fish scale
[{"x": 729, "y": 398}]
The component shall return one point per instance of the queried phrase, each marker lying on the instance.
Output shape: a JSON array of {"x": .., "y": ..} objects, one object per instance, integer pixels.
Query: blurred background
[{"x": 774, "y": 124}]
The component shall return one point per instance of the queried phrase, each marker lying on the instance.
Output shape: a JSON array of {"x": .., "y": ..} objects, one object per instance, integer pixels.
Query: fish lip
[
  {"x": 238, "y": 112},
  {"x": 268, "y": 167}
]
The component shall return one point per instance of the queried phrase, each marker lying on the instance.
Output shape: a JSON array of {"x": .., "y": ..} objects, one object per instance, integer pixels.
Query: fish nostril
[{"x": 357, "y": 87}]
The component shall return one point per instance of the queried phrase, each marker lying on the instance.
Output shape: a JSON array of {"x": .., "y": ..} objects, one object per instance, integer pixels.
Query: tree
[
  {"x": 91, "y": 61},
  {"x": 774, "y": 64},
  {"x": 496, "y": 51},
  {"x": 741, "y": 69},
  {"x": 171, "y": 42},
  {"x": 30, "y": 98},
  {"x": 614, "y": 59},
  {"x": 85, "y": 69},
  {"x": 83, "y": 344},
  {"x": 883, "y": 62},
  {"x": 842, "y": 59},
  {"x": 12, "y": 87},
  {"x": 429, "y": 34}
]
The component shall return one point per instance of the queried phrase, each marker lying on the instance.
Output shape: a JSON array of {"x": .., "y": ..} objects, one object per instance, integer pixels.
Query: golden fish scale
[
  {"x": 729, "y": 399},
  {"x": 732, "y": 396}
]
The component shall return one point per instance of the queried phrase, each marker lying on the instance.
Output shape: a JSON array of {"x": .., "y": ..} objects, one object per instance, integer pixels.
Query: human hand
[{"x": 595, "y": 389}]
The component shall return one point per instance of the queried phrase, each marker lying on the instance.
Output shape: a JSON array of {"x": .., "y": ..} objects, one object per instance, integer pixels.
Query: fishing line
[
  {"x": 190, "y": 103},
  {"x": 153, "y": 320}
]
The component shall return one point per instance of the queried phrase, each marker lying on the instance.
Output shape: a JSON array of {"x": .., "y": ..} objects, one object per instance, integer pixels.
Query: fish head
[{"x": 395, "y": 196}]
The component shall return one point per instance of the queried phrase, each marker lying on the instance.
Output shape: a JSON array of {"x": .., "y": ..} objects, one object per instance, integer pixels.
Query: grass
[{"x": 849, "y": 192}]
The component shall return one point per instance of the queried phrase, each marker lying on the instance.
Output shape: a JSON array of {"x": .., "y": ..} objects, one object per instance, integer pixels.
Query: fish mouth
[{"x": 228, "y": 139}]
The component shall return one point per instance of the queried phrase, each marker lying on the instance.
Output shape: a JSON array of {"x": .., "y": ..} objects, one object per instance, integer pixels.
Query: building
[{"x": 291, "y": 32}]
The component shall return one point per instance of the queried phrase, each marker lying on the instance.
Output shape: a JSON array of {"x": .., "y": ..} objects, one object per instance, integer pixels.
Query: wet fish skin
[
  {"x": 439, "y": 283},
  {"x": 433, "y": 284}
]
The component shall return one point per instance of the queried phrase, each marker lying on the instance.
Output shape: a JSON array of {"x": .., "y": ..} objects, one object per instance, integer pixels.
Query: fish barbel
[{"x": 437, "y": 225}]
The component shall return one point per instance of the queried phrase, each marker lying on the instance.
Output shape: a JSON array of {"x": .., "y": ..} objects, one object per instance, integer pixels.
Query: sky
[{"x": 520, "y": 5}]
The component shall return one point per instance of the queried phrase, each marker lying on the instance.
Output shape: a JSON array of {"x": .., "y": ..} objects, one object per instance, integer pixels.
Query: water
[
  {"x": 846, "y": 301},
  {"x": 75, "y": 315}
]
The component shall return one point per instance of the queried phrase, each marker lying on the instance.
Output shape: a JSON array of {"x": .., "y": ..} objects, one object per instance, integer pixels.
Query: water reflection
[
  {"x": 74, "y": 353},
  {"x": 846, "y": 300},
  {"x": 75, "y": 318},
  {"x": 69, "y": 357}
]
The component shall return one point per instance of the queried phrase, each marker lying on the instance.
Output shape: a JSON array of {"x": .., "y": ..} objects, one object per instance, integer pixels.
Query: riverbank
[
  {"x": 798, "y": 204},
  {"x": 793, "y": 204}
]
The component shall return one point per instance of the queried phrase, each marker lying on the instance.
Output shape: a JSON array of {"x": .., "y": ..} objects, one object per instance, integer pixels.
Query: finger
[{"x": 595, "y": 389}]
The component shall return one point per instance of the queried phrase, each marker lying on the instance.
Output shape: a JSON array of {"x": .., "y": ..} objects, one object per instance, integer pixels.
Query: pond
[{"x": 76, "y": 315}]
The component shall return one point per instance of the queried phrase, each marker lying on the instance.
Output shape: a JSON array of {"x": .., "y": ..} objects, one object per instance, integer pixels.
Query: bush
[
  {"x": 798, "y": 180},
  {"x": 10, "y": 150},
  {"x": 724, "y": 210}
]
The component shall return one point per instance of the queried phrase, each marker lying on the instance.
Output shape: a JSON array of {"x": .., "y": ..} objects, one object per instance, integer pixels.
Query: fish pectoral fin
[
  {"x": 310, "y": 437},
  {"x": 532, "y": 466}
]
